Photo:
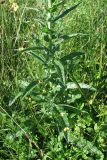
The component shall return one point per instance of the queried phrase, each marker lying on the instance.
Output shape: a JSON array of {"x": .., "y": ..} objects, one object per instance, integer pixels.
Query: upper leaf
[
  {"x": 60, "y": 70},
  {"x": 72, "y": 85},
  {"x": 14, "y": 100},
  {"x": 64, "y": 13},
  {"x": 55, "y": 6},
  {"x": 29, "y": 88},
  {"x": 34, "y": 48},
  {"x": 35, "y": 55},
  {"x": 71, "y": 56}
]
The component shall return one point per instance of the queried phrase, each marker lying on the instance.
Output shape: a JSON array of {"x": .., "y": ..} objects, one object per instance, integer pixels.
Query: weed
[{"x": 57, "y": 115}]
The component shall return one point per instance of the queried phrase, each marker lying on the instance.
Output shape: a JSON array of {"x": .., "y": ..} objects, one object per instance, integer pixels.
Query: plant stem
[
  {"x": 49, "y": 14},
  {"x": 49, "y": 24}
]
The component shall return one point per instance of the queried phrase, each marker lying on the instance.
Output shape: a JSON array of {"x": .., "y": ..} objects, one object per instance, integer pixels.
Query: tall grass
[{"x": 51, "y": 121}]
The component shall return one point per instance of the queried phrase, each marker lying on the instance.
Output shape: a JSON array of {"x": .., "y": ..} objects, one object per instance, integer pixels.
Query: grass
[{"x": 53, "y": 123}]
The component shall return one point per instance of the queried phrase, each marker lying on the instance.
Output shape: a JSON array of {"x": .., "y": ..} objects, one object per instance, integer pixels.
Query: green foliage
[
  {"x": 54, "y": 110},
  {"x": 64, "y": 13}
]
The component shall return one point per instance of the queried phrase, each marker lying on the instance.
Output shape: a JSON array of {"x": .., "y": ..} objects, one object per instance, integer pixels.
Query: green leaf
[
  {"x": 53, "y": 1},
  {"x": 16, "y": 97},
  {"x": 63, "y": 115},
  {"x": 71, "y": 56},
  {"x": 54, "y": 7},
  {"x": 11, "y": 1},
  {"x": 46, "y": 38},
  {"x": 23, "y": 84},
  {"x": 104, "y": 113},
  {"x": 56, "y": 88},
  {"x": 60, "y": 70},
  {"x": 72, "y": 108},
  {"x": 78, "y": 86},
  {"x": 72, "y": 85},
  {"x": 33, "y": 49},
  {"x": 62, "y": 119},
  {"x": 63, "y": 38},
  {"x": 38, "y": 57},
  {"x": 46, "y": 30},
  {"x": 29, "y": 88},
  {"x": 63, "y": 14},
  {"x": 75, "y": 97},
  {"x": 66, "y": 37}
]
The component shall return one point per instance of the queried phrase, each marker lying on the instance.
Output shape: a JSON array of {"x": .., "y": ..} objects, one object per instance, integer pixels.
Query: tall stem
[
  {"x": 49, "y": 23},
  {"x": 49, "y": 14}
]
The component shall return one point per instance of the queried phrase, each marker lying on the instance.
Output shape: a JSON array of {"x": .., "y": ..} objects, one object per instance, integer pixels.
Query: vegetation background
[{"x": 74, "y": 126}]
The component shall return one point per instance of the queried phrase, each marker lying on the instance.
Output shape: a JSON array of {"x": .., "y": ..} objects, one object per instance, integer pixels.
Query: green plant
[
  {"x": 55, "y": 69},
  {"x": 55, "y": 92}
]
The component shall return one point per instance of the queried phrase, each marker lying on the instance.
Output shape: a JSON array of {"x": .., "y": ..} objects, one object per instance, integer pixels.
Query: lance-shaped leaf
[
  {"x": 34, "y": 48},
  {"x": 37, "y": 56},
  {"x": 63, "y": 120},
  {"x": 63, "y": 38},
  {"x": 23, "y": 84},
  {"x": 55, "y": 6},
  {"x": 71, "y": 56},
  {"x": 72, "y": 85},
  {"x": 66, "y": 37},
  {"x": 63, "y": 14},
  {"x": 62, "y": 115},
  {"x": 60, "y": 70},
  {"x": 16, "y": 97},
  {"x": 29, "y": 88}
]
